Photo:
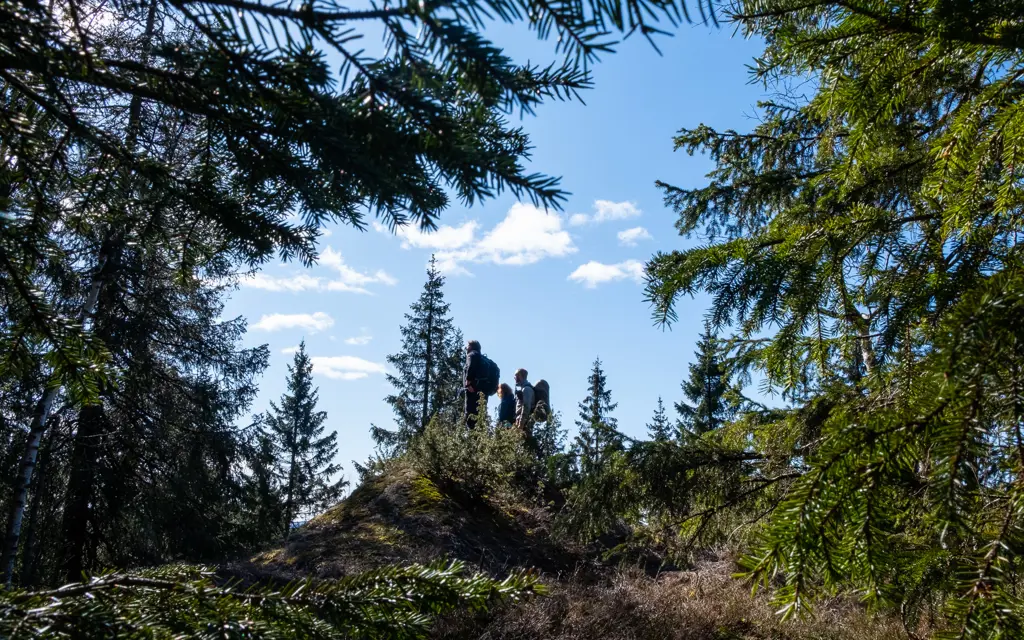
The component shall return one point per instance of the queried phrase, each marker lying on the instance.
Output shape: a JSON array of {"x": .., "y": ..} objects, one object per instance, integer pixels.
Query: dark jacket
[
  {"x": 474, "y": 370},
  {"x": 507, "y": 409}
]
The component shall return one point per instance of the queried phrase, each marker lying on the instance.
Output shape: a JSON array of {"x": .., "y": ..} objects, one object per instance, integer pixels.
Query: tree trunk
[
  {"x": 29, "y": 564},
  {"x": 24, "y": 480},
  {"x": 77, "y": 510}
]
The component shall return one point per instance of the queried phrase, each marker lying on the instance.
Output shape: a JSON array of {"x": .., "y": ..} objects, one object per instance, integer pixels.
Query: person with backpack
[
  {"x": 481, "y": 376},
  {"x": 524, "y": 402},
  {"x": 533, "y": 405}
]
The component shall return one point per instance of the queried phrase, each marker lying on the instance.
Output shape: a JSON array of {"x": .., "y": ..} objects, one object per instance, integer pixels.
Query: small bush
[{"x": 485, "y": 461}]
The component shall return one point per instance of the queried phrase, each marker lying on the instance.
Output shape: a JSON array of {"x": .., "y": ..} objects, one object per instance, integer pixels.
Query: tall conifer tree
[
  {"x": 598, "y": 430},
  {"x": 305, "y": 455},
  {"x": 428, "y": 367}
]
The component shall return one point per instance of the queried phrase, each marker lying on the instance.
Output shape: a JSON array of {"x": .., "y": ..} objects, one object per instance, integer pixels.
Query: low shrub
[{"x": 485, "y": 461}]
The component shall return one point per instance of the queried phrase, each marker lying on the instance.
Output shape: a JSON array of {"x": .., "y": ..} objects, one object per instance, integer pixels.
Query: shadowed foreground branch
[{"x": 186, "y": 601}]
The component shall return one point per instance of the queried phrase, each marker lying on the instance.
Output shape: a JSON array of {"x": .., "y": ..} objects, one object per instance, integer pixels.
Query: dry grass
[
  {"x": 404, "y": 517},
  {"x": 705, "y": 604}
]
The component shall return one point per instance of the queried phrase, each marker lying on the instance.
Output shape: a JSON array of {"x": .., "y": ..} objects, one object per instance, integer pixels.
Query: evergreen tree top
[
  {"x": 428, "y": 367},
  {"x": 597, "y": 407},
  {"x": 659, "y": 428}
]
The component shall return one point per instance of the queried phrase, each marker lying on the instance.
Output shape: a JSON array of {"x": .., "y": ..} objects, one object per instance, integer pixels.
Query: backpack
[
  {"x": 491, "y": 376},
  {"x": 541, "y": 401}
]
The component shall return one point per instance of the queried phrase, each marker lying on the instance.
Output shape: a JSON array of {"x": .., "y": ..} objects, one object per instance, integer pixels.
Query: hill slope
[{"x": 406, "y": 517}]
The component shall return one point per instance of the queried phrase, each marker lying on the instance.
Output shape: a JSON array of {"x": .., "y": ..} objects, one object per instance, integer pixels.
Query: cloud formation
[
  {"x": 345, "y": 278},
  {"x": 445, "y": 237},
  {"x": 630, "y": 237},
  {"x": 595, "y": 273},
  {"x": 290, "y": 350},
  {"x": 309, "y": 322},
  {"x": 345, "y": 367},
  {"x": 359, "y": 340},
  {"x": 605, "y": 211},
  {"x": 526, "y": 235}
]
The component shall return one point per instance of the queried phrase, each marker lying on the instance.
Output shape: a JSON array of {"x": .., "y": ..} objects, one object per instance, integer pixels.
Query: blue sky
[{"x": 548, "y": 291}]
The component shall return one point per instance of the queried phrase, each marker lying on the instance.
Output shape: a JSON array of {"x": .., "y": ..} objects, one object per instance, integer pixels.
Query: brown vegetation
[{"x": 405, "y": 517}]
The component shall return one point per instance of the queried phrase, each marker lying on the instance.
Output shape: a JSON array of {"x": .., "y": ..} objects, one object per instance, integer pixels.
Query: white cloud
[
  {"x": 310, "y": 322},
  {"x": 298, "y": 282},
  {"x": 359, "y": 341},
  {"x": 349, "y": 277},
  {"x": 594, "y": 273},
  {"x": 605, "y": 210},
  {"x": 290, "y": 350},
  {"x": 345, "y": 367},
  {"x": 630, "y": 237},
  {"x": 526, "y": 235},
  {"x": 346, "y": 278},
  {"x": 444, "y": 237}
]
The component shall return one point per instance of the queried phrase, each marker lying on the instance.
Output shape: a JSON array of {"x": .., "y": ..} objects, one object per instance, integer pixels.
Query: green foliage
[
  {"x": 158, "y": 451},
  {"x": 862, "y": 247},
  {"x": 923, "y": 494},
  {"x": 305, "y": 457},
  {"x": 262, "y": 504},
  {"x": 428, "y": 367},
  {"x": 659, "y": 428},
  {"x": 185, "y": 601},
  {"x": 598, "y": 430},
  {"x": 707, "y": 389},
  {"x": 683, "y": 496},
  {"x": 485, "y": 461}
]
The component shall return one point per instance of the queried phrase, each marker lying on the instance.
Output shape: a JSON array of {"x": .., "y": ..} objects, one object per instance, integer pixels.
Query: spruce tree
[
  {"x": 262, "y": 491},
  {"x": 428, "y": 366},
  {"x": 550, "y": 436},
  {"x": 659, "y": 428},
  {"x": 305, "y": 456},
  {"x": 598, "y": 432},
  {"x": 706, "y": 389},
  {"x": 862, "y": 245}
]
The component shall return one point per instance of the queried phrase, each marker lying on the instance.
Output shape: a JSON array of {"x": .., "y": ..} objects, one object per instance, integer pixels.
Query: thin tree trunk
[
  {"x": 24, "y": 480},
  {"x": 29, "y": 564},
  {"x": 36, "y": 430}
]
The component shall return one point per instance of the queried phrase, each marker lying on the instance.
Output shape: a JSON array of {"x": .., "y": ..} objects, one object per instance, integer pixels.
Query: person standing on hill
[
  {"x": 524, "y": 401},
  {"x": 507, "y": 408},
  {"x": 472, "y": 375}
]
